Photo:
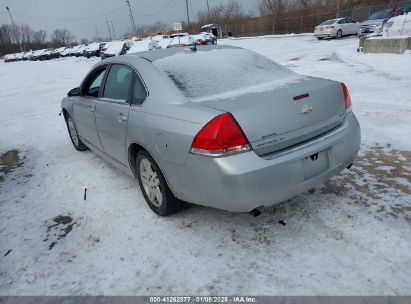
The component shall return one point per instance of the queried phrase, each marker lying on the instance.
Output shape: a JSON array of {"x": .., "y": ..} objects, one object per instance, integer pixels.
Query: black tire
[
  {"x": 320, "y": 38},
  {"x": 75, "y": 139},
  {"x": 169, "y": 203},
  {"x": 339, "y": 34}
]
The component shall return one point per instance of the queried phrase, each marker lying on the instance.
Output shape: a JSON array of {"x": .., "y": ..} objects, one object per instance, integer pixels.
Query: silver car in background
[
  {"x": 336, "y": 28},
  {"x": 241, "y": 133},
  {"x": 374, "y": 23}
]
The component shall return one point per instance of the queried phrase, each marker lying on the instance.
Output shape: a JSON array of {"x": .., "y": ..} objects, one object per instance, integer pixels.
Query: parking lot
[{"x": 350, "y": 236}]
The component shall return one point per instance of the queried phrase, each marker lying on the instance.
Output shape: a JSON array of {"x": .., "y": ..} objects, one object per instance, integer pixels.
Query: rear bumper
[
  {"x": 246, "y": 181},
  {"x": 325, "y": 34}
]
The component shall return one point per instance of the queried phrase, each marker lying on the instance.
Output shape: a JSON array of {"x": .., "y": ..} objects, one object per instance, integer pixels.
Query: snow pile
[{"x": 115, "y": 47}]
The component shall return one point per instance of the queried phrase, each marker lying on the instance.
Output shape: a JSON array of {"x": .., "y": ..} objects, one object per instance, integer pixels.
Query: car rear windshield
[
  {"x": 205, "y": 73},
  {"x": 328, "y": 22}
]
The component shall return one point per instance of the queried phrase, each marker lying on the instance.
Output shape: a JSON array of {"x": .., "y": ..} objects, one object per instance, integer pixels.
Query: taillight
[
  {"x": 329, "y": 27},
  {"x": 347, "y": 97},
  {"x": 221, "y": 136}
]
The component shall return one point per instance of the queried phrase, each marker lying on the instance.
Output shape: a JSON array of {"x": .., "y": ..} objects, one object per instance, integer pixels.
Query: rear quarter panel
[
  {"x": 167, "y": 131},
  {"x": 166, "y": 123}
]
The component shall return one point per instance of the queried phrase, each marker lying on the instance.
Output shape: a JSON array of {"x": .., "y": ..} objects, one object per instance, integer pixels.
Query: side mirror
[{"x": 74, "y": 92}]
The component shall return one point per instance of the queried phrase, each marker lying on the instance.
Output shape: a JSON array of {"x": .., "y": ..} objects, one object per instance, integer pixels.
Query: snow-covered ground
[{"x": 351, "y": 236}]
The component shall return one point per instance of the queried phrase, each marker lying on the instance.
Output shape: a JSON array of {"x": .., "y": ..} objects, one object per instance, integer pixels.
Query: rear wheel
[
  {"x": 75, "y": 139},
  {"x": 154, "y": 187},
  {"x": 339, "y": 34},
  {"x": 320, "y": 38}
]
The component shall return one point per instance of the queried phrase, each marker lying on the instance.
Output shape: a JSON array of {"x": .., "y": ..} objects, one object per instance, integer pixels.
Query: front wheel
[
  {"x": 75, "y": 139},
  {"x": 154, "y": 187}
]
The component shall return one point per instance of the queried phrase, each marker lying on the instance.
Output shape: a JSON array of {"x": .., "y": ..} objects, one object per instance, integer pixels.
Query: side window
[
  {"x": 118, "y": 82},
  {"x": 139, "y": 91},
  {"x": 93, "y": 83}
]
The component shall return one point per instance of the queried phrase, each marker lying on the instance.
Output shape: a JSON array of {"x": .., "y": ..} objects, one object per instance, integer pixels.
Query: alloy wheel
[{"x": 151, "y": 182}]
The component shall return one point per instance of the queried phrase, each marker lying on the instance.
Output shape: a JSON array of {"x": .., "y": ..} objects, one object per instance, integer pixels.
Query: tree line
[{"x": 23, "y": 37}]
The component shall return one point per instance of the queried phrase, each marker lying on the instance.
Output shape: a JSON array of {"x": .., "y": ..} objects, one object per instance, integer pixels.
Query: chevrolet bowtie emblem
[{"x": 306, "y": 110}]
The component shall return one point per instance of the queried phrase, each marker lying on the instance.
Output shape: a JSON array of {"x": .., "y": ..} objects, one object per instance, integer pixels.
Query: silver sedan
[{"x": 215, "y": 126}]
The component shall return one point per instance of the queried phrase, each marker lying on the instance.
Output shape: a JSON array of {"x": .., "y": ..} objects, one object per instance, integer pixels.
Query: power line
[
  {"x": 112, "y": 27},
  {"x": 133, "y": 25},
  {"x": 188, "y": 16},
  {"x": 191, "y": 8},
  {"x": 73, "y": 19},
  {"x": 109, "y": 32},
  {"x": 96, "y": 31},
  {"x": 156, "y": 12},
  {"x": 94, "y": 16},
  {"x": 16, "y": 34}
]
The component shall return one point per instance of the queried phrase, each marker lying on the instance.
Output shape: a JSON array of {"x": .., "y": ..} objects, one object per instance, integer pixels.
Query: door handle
[
  {"x": 121, "y": 118},
  {"x": 91, "y": 109}
]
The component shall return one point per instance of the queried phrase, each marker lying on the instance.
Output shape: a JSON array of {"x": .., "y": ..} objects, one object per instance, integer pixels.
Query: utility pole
[
  {"x": 208, "y": 8},
  {"x": 133, "y": 25},
  {"x": 96, "y": 32},
  {"x": 16, "y": 35},
  {"x": 188, "y": 16},
  {"x": 109, "y": 32},
  {"x": 112, "y": 28}
]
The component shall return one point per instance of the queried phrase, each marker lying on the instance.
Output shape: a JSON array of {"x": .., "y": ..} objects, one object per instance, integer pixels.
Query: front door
[
  {"x": 112, "y": 112},
  {"x": 85, "y": 105}
]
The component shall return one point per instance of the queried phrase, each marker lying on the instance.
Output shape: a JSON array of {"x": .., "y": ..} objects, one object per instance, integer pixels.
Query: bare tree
[
  {"x": 26, "y": 35},
  {"x": 62, "y": 37},
  {"x": 276, "y": 8},
  {"x": 6, "y": 35},
  {"x": 39, "y": 37},
  {"x": 148, "y": 30},
  {"x": 97, "y": 39},
  {"x": 230, "y": 15}
]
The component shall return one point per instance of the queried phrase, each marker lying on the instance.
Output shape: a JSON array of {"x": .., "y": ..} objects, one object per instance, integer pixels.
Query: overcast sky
[{"x": 52, "y": 14}]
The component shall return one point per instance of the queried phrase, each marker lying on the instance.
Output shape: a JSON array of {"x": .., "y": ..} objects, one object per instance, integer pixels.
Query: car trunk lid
[{"x": 286, "y": 115}]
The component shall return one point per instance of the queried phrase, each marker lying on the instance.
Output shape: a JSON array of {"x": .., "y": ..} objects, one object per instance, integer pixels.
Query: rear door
[
  {"x": 112, "y": 111},
  {"x": 351, "y": 26},
  {"x": 84, "y": 107},
  {"x": 343, "y": 26}
]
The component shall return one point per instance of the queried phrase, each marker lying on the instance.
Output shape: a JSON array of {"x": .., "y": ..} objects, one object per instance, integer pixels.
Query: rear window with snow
[
  {"x": 328, "y": 22},
  {"x": 205, "y": 73}
]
